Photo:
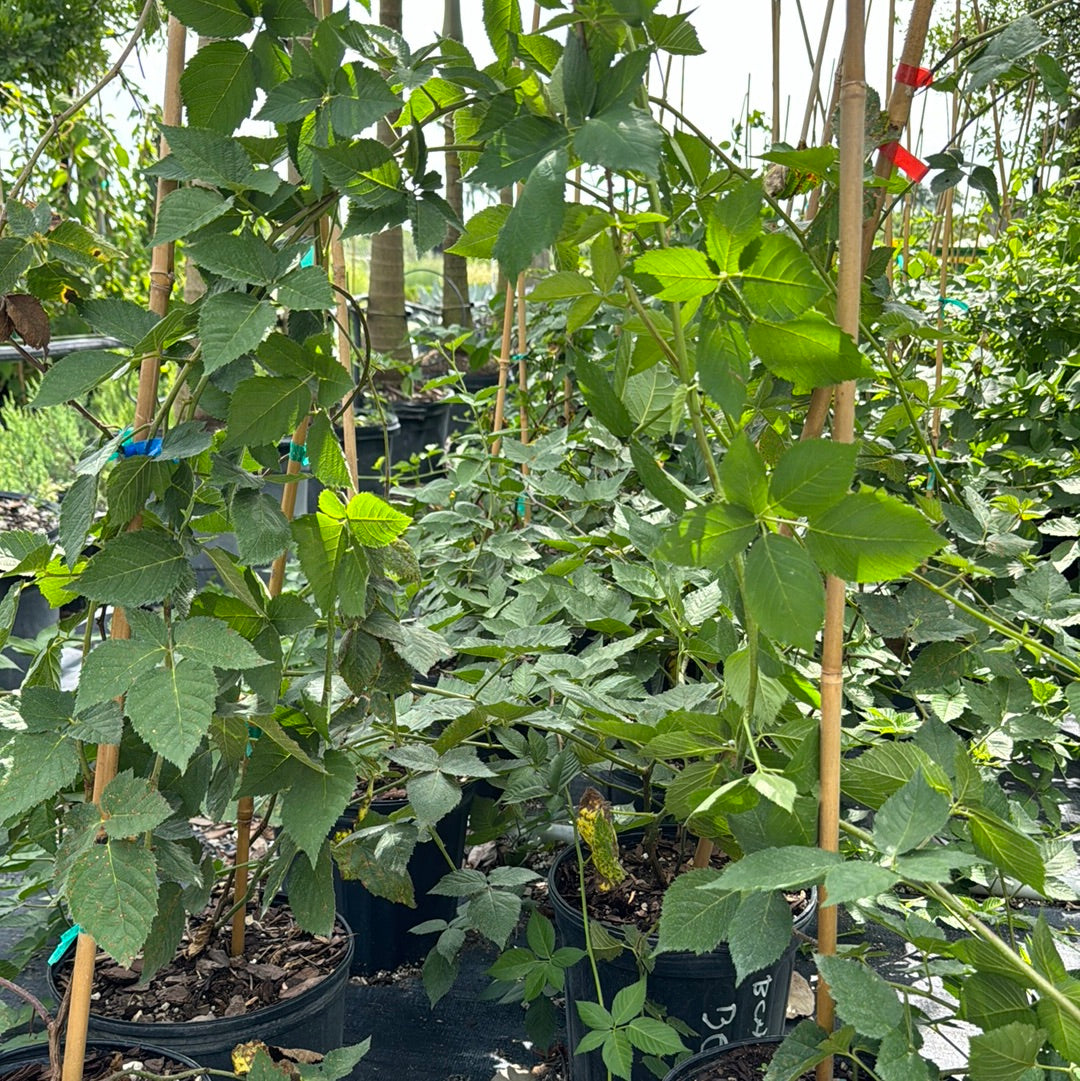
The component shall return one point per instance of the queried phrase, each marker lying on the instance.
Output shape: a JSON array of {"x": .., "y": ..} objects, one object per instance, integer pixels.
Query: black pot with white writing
[
  {"x": 700, "y": 1065},
  {"x": 699, "y": 989}
]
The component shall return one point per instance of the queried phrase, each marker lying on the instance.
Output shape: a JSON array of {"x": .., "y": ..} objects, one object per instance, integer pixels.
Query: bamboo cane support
[
  {"x": 523, "y": 384},
  {"x": 161, "y": 277},
  {"x": 899, "y": 111},
  {"x": 348, "y": 419},
  {"x": 504, "y": 369},
  {"x": 852, "y": 108},
  {"x": 775, "y": 71},
  {"x": 814, "y": 94}
]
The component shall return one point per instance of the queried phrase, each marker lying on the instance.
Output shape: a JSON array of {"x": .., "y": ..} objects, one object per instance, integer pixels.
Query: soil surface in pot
[
  {"x": 749, "y": 1062},
  {"x": 281, "y": 962},
  {"x": 19, "y": 513},
  {"x": 638, "y": 898},
  {"x": 99, "y": 1064}
]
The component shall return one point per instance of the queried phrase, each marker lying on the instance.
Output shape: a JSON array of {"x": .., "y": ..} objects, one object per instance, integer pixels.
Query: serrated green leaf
[
  {"x": 40, "y": 765},
  {"x": 709, "y": 536},
  {"x": 856, "y": 881},
  {"x": 432, "y": 796},
  {"x": 135, "y": 569},
  {"x": 862, "y": 997},
  {"x": 870, "y": 537},
  {"x": 239, "y": 257},
  {"x": 200, "y": 154},
  {"x": 502, "y": 19},
  {"x": 373, "y": 522},
  {"x": 113, "y": 666},
  {"x": 165, "y": 931},
  {"x": 1008, "y": 849},
  {"x": 910, "y": 817},
  {"x": 230, "y": 325},
  {"x": 621, "y": 138},
  {"x": 494, "y": 913},
  {"x": 695, "y": 919},
  {"x": 75, "y": 375},
  {"x": 112, "y": 894},
  {"x": 760, "y": 932},
  {"x": 535, "y": 219},
  {"x": 784, "y": 592},
  {"x": 264, "y": 408},
  {"x": 989, "y": 1001},
  {"x": 481, "y": 232},
  {"x": 214, "y": 643},
  {"x": 787, "y": 867},
  {"x": 682, "y": 273},
  {"x": 218, "y": 86},
  {"x": 171, "y": 708},
  {"x": 733, "y": 222},
  {"x": 812, "y": 476},
  {"x": 292, "y": 100},
  {"x": 185, "y": 210},
  {"x": 314, "y": 802},
  {"x": 16, "y": 258},
  {"x": 306, "y": 288},
  {"x": 212, "y": 18},
  {"x": 562, "y": 285},
  {"x": 810, "y": 351},
  {"x": 76, "y": 515},
  {"x": 116, "y": 318},
  {"x": 311, "y": 892},
  {"x": 1005, "y": 1054},
  {"x": 654, "y": 1037},
  {"x": 130, "y": 806},
  {"x": 780, "y": 283},
  {"x": 601, "y": 398},
  {"x": 262, "y": 530}
]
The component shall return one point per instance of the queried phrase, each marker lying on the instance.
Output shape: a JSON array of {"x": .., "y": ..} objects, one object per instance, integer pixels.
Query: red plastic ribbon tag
[
  {"x": 913, "y": 76},
  {"x": 904, "y": 160}
]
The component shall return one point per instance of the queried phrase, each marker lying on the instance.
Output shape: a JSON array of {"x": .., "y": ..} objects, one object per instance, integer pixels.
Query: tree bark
[
  {"x": 455, "y": 284},
  {"x": 387, "y": 324}
]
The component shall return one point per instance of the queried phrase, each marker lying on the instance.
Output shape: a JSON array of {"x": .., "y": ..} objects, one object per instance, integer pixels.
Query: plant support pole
[
  {"x": 161, "y": 277},
  {"x": 504, "y": 369},
  {"x": 849, "y": 282},
  {"x": 523, "y": 385}
]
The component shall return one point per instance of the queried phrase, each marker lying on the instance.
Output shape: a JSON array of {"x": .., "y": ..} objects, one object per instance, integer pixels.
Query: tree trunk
[
  {"x": 455, "y": 269},
  {"x": 386, "y": 290}
]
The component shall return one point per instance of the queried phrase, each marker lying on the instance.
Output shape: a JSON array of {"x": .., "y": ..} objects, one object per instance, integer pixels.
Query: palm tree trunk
[{"x": 386, "y": 291}]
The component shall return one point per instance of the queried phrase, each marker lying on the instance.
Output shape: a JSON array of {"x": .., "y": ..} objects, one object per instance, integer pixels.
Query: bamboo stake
[
  {"x": 814, "y": 96},
  {"x": 504, "y": 368},
  {"x": 161, "y": 277},
  {"x": 523, "y": 386},
  {"x": 899, "y": 111},
  {"x": 775, "y": 71},
  {"x": 849, "y": 283}
]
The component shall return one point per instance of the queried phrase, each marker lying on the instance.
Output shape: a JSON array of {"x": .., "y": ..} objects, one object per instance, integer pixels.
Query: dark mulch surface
[
  {"x": 99, "y": 1064},
  {"x": 19, "y": 513},
  {"x": 749, "y": 1064},
  {"x": 281, "y": 962},
  {"x": 638, "y": 898}
]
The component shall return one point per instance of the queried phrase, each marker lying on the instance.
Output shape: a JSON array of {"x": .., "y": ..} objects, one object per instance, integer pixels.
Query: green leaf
[
  {"x": 494, "y": 913},
  {"x": 130, "y": 806},
  {"x": 336, "y": 568},
  {"x": 870, "y": 537},
  {"x": 481, "y": 232},
  {"x": 910, "y": 817},
  {"x": 502, "y": 19},
  {"x": 1005, "y": 1054},
  {"x": 1008, "y": 849},
  {"x": 760, "y": 932},
  {"x": 135, "y": 569},
  {"x": 362, "y": 98},
  {"x": 856, "y": 881},
  {"x": 655, "y": 480},
  {"x": 862, "y": 997},
  {"x": 311, "y": 892},
  {"x": 358, "y": 167},
  {"x": 784, "y": 868},
  {"x": 315, "y": 801},
  {"x": 1062, "y": 1029},
  {"x": 186, "y": 210},
  {"x": 989, "y": 1001},
  {"x": 628, "y": 1003},
  {"x": 117, "y": 318},
  {"x": 39, "y": 766},
  {"x": 218, "y": 86},
  {"x": 784, "y": 592},
  {"x": 306, "y": 288},
  {"x": 212, "y": 18},
  {"x": 171, "y": 708},
  {"x": 112, "y": 894},
  {"x": 292, "y": 100},
  {"x": 76, "y": 515},
  {"x": 325, "y": 454},
  {"x": 16, "y": 258},
  {"x": 562, "y": 285},
  {"x": 113, "y": 666},
  {"x": 214, "y": 643},
  {"x": 781, "y": 282},
  {"x": 708, "y": 537},
  {"x": 379, "y": 859},
  {"x": 742, "y": 475},
  {"x": 621, "y": 138},
  {"x": 812, "y": 476},
  {"x": 165, "y": 931},
  {"x": 265, "y": 408},
  {"x": 682, "y": 273},
  {"x": 653, "y": 1037},
  {"x": 808, "y": 350},
  {"x": 73, "y": 376},
  {"x": 534, "y": 222},
  {"x": 262, "y": 530},
  {"x": 618, "y": 1054},
  {"x": 128, "y": 488},
  {"x": 200, "y": 154},
  {"x": 373, "y": 522},
  {"x": 885, "y": 768},
  {"x": 241, "y": 257},
  {"x": 601, "y": 398},
  {"x": 695, "y": 919},
  {"x": 432, "y": 796},
  {"x": 733, "y": 222},
  {"x": 230, "y": 325}
]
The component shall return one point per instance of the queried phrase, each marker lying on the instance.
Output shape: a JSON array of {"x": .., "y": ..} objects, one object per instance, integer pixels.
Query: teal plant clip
[
  {"x": 253, "y": 734},
  {"x": 65, "y": 942},
  {"x": 298, "y": 453},
  {"x": 944, "y": 301}
]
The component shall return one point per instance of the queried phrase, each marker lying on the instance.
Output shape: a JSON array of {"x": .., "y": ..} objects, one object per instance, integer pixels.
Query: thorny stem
[{"x": 28, "y": 997}]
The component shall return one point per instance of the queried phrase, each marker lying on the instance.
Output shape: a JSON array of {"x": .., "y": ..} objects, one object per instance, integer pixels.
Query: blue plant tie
[
  {"x": 308, "y": 258},
  {"x": 298, "y": 453},
  {"x": 519, "y": 356},
  {"x": 65, "y": 942},
  {"x": 148, "y": 448},
  {"x": 943, "y": 301},
  {"x": 521, "y": 506},
  {"x": 253, "y": 734}
]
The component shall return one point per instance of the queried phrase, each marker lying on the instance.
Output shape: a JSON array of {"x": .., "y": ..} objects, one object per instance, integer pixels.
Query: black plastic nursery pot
[
  {"x": 382, "y": 929},
  {"x": 313, "y": 1020},
  {"x": 16, "y": 1059},
  {"x": 461, "y": 417},
  {"x": 698, "y": 1067},
  {"x": 423, "y": 425},
  {"x": 699, "y": 989}
]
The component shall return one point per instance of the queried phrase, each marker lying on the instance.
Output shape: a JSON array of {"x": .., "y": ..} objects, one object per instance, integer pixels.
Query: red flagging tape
[
  {"x": 913, "y": 76},
  {"x": 905, "y": 161}
]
